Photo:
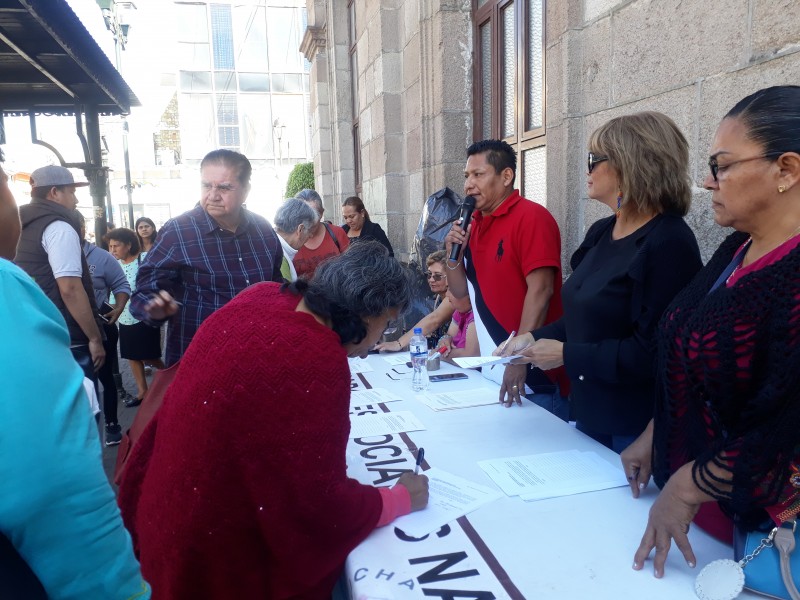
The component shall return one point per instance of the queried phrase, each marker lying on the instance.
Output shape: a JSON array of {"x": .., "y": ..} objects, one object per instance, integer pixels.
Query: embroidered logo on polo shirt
[{"x": 499, "y": 256}]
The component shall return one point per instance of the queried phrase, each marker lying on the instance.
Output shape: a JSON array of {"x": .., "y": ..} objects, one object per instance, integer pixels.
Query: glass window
[
  {"x": 284, "y": 35},
  {"x": 534, "y": 97},
  {"x": 253, "y": 82},
  {"x": 196, "y": 57},
  {"x": 222, "y": 36},
  {"x": 250, "y": 38},
  {"x": 256, "y": 126},
  {"x": 510, "y": 78},
  {"x": 197, "y": 134},
  {"x": 486, "y": 80},
  {"x": 225, "y": 81},
  {"x": 534, "y": 166},
  {"x": 291, "y": 110},
  {"x": 229, "y": 137},
  {"x": 195, "y": 81},
  {"x": 227, "y": 111},
  {"x": 509, "y": 83},
  {"x": 192, "y": 22}
]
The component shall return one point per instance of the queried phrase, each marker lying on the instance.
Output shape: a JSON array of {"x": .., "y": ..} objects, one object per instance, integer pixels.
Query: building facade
[{"x": 400, "y": 88}]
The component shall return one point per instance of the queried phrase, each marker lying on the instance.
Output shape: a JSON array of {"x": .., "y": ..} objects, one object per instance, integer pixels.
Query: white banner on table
[
  {"x": 373, "y": 396},
  {"x": 459, "y": 399},
  {"x": 396, "y": 359},
  {"x": 384, "y": 423},
  {"x": 359, "y": 365},
  {"x": 473, "y": 362},
  {"x": 540, "y": 476},
  {"x": 449, "y": 497}
]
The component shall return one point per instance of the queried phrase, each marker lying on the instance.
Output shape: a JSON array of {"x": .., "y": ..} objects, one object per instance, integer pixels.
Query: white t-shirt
[{"x": 63, "y": 248}]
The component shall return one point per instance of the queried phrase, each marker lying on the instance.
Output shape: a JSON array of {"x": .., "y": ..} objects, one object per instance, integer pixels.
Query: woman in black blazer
[
  {"x": 625, "y": 273},
  {"x": 358, "y": 225}
]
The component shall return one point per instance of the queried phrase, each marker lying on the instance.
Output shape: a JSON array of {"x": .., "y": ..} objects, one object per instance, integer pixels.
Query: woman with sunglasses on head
[
  {"x": 626, "y": 271},
  {"x": 147, "y": 233},
  {"x": 724, "y": 443},
  {"x": 435, "y": 324}
]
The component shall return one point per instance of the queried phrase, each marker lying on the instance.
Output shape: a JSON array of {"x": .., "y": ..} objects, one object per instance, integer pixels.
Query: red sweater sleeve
[{"x": 396, "y": 503}]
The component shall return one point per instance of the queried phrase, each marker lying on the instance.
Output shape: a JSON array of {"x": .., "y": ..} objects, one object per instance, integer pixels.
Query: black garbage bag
[{"x": 441, "y": 209}]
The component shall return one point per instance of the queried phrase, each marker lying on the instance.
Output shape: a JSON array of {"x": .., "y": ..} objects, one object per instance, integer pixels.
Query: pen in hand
[
  {"x": 420, "y": 458},
  {"x": 510, "y": 337}
]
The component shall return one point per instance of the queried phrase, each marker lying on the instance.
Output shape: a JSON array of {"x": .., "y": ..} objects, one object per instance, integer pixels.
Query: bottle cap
[{"x": 417, "y": 330}]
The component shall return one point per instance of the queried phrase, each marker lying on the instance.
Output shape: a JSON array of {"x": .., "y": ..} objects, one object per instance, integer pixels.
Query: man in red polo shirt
[{"x": 510, "y": 267}]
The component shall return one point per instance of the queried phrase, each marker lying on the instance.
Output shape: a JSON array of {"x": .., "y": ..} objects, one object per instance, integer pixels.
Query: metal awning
[{"x": 49, "y": 63}]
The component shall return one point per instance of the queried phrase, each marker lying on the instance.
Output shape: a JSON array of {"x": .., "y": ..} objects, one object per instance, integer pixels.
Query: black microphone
[{"x": 467, "y": 208}]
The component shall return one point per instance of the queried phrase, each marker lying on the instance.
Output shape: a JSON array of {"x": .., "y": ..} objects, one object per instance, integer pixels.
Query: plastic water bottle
[{"x": 419, "y": 360}]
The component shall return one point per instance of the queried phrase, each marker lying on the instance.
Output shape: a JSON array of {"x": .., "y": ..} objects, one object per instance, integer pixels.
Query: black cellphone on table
[
  {"x": 448, "y": 376},
  {"x": 105, "y": 308}
]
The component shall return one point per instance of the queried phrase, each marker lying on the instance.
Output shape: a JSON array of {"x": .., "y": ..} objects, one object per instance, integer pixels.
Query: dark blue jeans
[
  {"x": 550, "y": 399},
  {"x": 617, "y": 443}
]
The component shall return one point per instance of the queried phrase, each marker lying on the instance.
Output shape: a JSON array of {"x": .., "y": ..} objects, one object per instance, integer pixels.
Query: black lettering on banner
[
  {"x": 368, "y": 452},
  {"x": 402, "y": 535},
  {"x": 437, "y": 573},
  {"x": 367, "y": 409},
  {"x": 385, "y": 574},
  {"x": 358, "y": 576},
  {"x": 453, "y": 594},
  {"x": 409, "y": 583},
  {"x": 387, "y": 475},
  {"x": 363, "y": 441}
]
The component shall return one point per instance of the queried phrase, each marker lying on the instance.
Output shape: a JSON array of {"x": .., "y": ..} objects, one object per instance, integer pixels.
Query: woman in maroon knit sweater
[{"x": 238, "y": 487}]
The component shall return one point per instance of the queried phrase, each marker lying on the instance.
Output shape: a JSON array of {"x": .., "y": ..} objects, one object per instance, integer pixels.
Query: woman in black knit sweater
[{"x": 725, "y": 442}]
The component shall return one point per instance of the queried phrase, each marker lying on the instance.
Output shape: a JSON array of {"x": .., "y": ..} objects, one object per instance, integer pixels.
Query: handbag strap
[{"x": 785, "y": 543}]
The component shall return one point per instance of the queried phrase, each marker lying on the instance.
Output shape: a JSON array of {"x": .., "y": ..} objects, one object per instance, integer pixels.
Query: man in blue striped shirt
[{"x": 206, "y": 256}]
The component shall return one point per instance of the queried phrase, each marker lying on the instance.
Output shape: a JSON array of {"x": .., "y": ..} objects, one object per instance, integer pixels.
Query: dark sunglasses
[
  {"x": 595, "y": 159},
  {"x": 435, "y": 276},
  {"x": 715, "y": 167}
]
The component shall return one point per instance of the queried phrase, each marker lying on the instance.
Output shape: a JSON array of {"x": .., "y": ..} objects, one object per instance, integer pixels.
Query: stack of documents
[
  {"x": 460, "y": 399},
  {"x": 373, "y": 396},
  {"x": 358, "y": 365},
  {"x": 396, "y": 359},
  {"x": 540, "y": 476},
  {"x": 384, "y": 423},
  {"x": 449, "y": 497},
  {"x": 473, "y": 362}
]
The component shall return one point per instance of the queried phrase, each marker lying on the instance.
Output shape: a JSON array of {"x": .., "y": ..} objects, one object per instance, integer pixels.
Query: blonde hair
[
  {"x": 436, "y": 257},
  {"x": 651, "y": 158}
]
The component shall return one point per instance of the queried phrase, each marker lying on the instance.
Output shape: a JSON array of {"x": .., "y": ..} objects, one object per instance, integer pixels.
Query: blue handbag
[{"x": 768, "y": 560}]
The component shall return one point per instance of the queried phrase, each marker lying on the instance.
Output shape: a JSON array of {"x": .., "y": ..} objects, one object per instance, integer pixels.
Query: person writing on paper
[
  {"x": 724, "y": 444},
  {"x": 628, "y": 268},
  {"x": 437, "y": 322},
  {"x": 461, "y": 338},
  {"x": 263, "y": 507},
  {"x": 509, "y": 266}
]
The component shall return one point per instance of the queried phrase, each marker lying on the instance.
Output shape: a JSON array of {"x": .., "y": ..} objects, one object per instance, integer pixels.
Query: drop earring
[{"x": 619, "y": 204}]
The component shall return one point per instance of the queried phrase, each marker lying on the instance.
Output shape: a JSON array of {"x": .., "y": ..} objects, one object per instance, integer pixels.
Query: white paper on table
[
  {"x": 383, "y": 423},
  {"x": 460, "y": 399},
  {"x": 473, "y": 362},
  {"x": 373, "y": 396},
  {"x": 540, "y": 476},
  {"x": 396, "y": 359},
  {"x": 359, "y": 365},
  {"x": 449, "y": 497}
]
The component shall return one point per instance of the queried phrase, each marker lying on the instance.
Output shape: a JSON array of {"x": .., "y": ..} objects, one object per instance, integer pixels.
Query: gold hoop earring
[{"x": 781, "y": 189}]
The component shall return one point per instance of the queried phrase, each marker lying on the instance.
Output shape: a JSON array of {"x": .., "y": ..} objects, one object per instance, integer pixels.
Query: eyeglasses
[
  {"x": 594, "y": 160},
  {"x": 435, "y": 276},
  {"x": 222, "y": 188},
  {"x": 715, "y": 167}
]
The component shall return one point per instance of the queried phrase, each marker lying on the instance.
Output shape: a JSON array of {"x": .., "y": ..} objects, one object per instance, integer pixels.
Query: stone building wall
[{"x": 691, "y": 59}]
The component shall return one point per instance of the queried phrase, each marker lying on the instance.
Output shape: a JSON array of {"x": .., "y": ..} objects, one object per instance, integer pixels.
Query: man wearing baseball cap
[{"x": 49, "y": 251}]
